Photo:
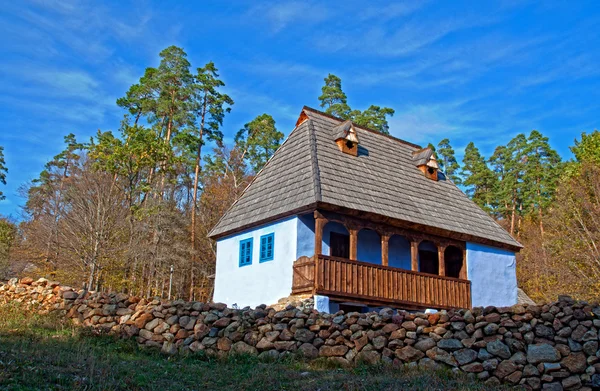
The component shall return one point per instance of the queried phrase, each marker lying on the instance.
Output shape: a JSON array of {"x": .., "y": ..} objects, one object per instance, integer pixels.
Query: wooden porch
[{"x": 377, "y": 285}]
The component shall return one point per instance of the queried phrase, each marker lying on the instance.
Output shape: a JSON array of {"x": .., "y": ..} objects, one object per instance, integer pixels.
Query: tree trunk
[
  {"x": 195, "y": 196},
  {"x": 540, "y": 212},
  {"x": 512, "y": 217}
]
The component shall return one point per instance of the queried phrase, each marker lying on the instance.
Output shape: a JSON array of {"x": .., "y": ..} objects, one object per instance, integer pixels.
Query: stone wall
[{"x": 554, "y": 346}]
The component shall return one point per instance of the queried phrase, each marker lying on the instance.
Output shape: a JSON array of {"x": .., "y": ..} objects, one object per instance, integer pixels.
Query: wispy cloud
[
  {"x": 386, "y": 11},
  {"x": 396, "y": 42},
  {"x": 81, "y": 113},
  {"x": 281, "y": 15}
]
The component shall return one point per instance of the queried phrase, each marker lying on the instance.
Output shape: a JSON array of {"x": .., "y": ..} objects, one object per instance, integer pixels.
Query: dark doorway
[
  {"x": 428, "y": 262},
  {"x": 453, "y": 257},
  {"x": 339, "y": 245}
]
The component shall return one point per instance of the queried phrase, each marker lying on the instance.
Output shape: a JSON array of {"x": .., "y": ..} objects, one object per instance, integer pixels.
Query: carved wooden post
[
  {"x": 414, "y": 255},
  {"x": 441, "y": 261},
  {"x": 320, "y": 222},
  {"x": 463, "y": 267},
  {"x": 385, "y": 241},
  {"x": 353, "y": 242}
]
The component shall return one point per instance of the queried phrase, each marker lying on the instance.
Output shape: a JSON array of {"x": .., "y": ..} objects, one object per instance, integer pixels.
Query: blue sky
[{"x": 469, "y": 71}]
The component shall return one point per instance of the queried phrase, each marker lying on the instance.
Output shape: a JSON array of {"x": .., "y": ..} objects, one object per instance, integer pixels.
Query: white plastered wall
[
  {"x": 493, "y": 275},
  {"x": 258, "y": 283}
]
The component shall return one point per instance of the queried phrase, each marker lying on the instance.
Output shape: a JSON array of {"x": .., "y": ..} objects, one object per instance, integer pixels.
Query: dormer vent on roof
[
  {"x": 346, "y": 138},
  {"x": 425, "y": 160}
]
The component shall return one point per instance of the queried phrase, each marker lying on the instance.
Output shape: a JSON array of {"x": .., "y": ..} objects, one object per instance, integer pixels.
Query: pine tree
[
  {"x": 333, "y": 98},
  {"x": 259, "y": 139},
  {"x": 542, "y": 172},
  {"x": 141, "y": 98},
  {"x": 373, "y": 118},
  {"x": 3, "y": 171},
  {"x": 447, "y": 161},
  {"x": 478, "y": 178},
  {"x": 503, "y": 194},
  {"x": 588, "y": 148},
  {"x": 336, "y": 103},
  {"x": 513, "y": 184}
]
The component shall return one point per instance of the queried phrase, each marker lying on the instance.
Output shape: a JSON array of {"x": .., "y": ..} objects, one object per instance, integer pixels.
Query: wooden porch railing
[{"x": 373, "y": 284}]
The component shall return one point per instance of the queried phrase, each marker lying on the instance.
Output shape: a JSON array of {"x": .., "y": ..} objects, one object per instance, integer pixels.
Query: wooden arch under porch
[{"x": 352, "y": 280}]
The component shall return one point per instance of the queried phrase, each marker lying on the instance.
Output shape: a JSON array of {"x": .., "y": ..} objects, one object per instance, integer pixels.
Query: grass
[{"x": 47, "y": 353}]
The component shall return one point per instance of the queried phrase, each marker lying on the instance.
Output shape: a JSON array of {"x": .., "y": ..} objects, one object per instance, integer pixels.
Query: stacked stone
[{"x": 550, "y": 347}]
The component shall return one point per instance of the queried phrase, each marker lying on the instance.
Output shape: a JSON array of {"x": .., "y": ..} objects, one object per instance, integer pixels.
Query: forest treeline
[{"x": 131, "y": 210}]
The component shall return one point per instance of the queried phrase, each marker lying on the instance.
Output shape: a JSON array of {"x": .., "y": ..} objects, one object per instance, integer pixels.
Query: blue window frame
[
  {"x": 245, "y": 252},
  {"x": 267, "y": 247}
]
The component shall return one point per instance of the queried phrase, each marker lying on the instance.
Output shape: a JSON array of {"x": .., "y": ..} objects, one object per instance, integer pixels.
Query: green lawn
[{"x": 47, "y": 353}]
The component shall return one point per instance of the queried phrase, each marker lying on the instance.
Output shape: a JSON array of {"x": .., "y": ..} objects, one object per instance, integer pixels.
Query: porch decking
[{"x": 376, "y": 285}]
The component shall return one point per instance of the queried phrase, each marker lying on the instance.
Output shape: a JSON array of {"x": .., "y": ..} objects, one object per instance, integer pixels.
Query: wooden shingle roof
[{"x": 309, "y": 170}]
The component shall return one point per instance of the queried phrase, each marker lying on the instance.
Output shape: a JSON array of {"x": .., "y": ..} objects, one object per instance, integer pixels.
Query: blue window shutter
[
  {"x": 242, "y": 252},
  {"x": 263, "y": 248},
  {"x": 249, "y": 252},
  {"x": 246, "y": 252},
  {"x": 267, "y": 245},
  {"x": 270, "y": 246}
]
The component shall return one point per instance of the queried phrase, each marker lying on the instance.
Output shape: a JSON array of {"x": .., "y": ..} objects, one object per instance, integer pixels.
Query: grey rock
[
  {"x": 450, "y": 344},
  {"x": 519, "y": 358},
  {"x": 425, "y": 344},
  {"x": 438, "y": 354},
  {"x": 169, "y": 348},
  {"x": 505, "y": 368},
  {"x": 70, "y": 295},
  {"x": 409, "y": 354},
  {"x": 465, "y": 356},
  {"x": 551, "y": 367},
  {"x": 490, "y": 365},
  {"x": 498, "y": 348},
  {"x": 368, "y": 357},
  {"x": 304, "y": 335},
  {"x": 544, "y": 331},
  {"x": 242, "y": 348},
  {"x": 574, "y": 346},
  {"x": 491, "y": 329},
  {"x": 484, "y": 355},
  {"x": 379, "y": 342},
  {"x": 571, "y": 382},
  {"x": 553, "y": 387},
  {"x": 542, "y": 353},
  {"x": 590, "y": 348},
  {"x": 307, "y": 350},
  {"x": 152, "y": 324}
]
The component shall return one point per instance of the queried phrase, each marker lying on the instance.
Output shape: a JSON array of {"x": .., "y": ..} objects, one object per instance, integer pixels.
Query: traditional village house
[{"x": 358, "y": 218}]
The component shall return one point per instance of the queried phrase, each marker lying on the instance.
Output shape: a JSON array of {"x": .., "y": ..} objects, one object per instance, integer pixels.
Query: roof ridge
[
  {"x": 314, "y": 161},
  {"x": 363, "y": 127}
]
